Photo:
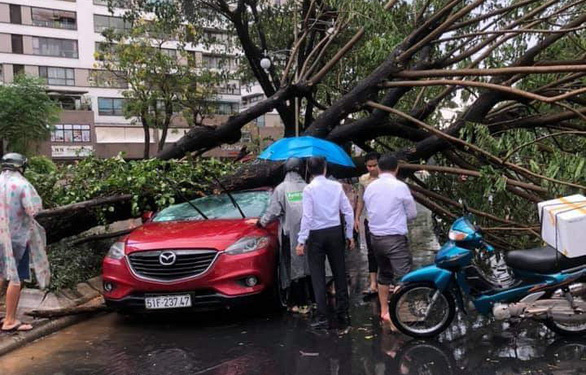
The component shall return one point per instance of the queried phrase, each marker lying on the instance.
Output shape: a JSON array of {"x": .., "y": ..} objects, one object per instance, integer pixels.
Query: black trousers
[
  {"x": 330, "y": 243},
  {"x": 372, "y": 264}
]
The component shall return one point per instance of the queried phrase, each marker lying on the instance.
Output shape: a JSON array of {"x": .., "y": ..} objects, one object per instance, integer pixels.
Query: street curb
[{"x": 20, "y": 339}]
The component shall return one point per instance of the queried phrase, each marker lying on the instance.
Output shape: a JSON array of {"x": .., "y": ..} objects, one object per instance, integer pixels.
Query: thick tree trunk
[
  {"x": 70, "y": 220},
  {"x": 208, "y": 137},
  {"x": 165, "y": 128}
]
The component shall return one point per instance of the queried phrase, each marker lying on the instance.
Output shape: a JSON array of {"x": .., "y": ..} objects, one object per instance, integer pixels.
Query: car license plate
[{"x": 168, "y": 302}]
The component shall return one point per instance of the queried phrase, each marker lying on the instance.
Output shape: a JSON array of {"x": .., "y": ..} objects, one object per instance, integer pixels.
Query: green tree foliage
[
  {"x": 153, "y": 183},
  {"x": 26, "y": 114}
]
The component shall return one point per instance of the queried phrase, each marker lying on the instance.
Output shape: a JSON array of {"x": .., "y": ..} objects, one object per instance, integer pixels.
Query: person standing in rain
[
  {"x": 322, "y": 236},
  {"x": 22, "y": 239},
  {"x": 389, "y": 205},
  {"x": 286, "y": 206},
  {"x": 371, "y": 162}
]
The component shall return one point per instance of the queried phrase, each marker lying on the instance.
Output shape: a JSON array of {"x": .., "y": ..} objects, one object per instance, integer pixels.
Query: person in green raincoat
[
  {"x": 286, "y": 206},
  {"x": 22, "y": 239}
]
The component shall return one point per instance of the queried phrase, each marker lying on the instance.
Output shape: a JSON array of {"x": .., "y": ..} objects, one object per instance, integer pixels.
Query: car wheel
[{"x": 279, "y": 297}]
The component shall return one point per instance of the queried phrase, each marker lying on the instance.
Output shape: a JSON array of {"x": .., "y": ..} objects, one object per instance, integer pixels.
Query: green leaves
[
  {"x": 153, "y": 183},
  {"x": 26, "y": 113}
]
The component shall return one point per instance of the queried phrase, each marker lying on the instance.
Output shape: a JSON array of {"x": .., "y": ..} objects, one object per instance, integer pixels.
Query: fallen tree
[
  {"x": 511, "y": 73},
  {"x": 475, "y": 89}
]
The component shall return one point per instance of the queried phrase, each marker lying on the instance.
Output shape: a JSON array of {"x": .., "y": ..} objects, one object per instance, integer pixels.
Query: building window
[
  {"x": 229, "y": 89},
  {"x": 57, "y": 76},
  {"x": 16, "y": 41},
  {"x": 110, "y": 106},
  {"x": 260, "y": 121},
  {"x": 226, "y": 108},
  {"x": 1, "y": 73},
  {"x": 55, "y": 47},
  {"x": 71, "y": 134},
  {"x": 252, "y": 99},
  {"x": 169, "y": 52},
  {"x": 216, "y": 37},
  {"x": 219, "y": 62},
  {"x": 102, "y": 23},
  {"x": 115, "y": 3},
  {"x": 104, "y": 78},
  {"x": 15, "y": 14},
  {"x": 59, "y": 19},
  {"x": 105, "y": 49},
  {"x": 17, "y": 69}
]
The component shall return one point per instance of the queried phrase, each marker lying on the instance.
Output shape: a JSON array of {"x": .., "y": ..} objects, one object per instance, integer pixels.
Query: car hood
[{"x": 207, "y": 234}]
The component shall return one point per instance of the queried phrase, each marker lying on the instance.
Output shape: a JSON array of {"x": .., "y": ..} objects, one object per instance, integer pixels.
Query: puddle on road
[{"x": 250, "y": 343}]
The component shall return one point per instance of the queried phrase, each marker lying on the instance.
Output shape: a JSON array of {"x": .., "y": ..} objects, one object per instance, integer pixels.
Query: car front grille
[{"x": 187, "y": 264}]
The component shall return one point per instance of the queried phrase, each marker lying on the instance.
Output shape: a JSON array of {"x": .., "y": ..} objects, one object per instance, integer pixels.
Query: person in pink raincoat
[{"x": 22, "y": 239}]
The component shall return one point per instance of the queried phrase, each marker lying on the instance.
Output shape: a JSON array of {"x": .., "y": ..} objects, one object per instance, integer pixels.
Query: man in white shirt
[
  {"x": 390, "y": 205},
  {"x": 322, "y": 235}
]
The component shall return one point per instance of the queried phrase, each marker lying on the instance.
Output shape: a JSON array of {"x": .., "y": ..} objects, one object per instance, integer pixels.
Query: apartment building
[{"x": 57, "y": 40}]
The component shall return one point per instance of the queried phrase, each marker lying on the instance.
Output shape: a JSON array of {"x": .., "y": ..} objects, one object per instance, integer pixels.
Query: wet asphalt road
[{"x": 248, "y": 342}]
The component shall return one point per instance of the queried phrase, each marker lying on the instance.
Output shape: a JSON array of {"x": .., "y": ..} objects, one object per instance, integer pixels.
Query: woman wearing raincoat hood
[{"x": 22, "y": 239}]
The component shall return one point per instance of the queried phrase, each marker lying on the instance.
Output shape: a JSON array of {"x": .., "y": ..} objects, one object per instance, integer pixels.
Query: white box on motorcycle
[{"x": 563, "y": 224}]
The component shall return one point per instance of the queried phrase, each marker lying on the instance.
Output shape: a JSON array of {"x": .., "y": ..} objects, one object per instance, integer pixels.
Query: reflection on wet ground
[{"x": 250, "y": 342}]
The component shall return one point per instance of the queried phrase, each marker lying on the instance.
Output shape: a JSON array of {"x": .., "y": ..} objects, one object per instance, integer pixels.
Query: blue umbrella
[{"x": 304, "y": 147}]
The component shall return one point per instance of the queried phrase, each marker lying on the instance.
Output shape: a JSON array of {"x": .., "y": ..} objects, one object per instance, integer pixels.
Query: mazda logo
[{"x": 167, "y": 258}]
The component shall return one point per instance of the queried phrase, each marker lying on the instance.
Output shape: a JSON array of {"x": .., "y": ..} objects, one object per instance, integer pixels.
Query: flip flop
[{"x": 19, "y": 327}]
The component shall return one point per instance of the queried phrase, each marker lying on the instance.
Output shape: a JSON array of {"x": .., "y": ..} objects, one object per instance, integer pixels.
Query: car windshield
[{"x": 252, "y": 203}]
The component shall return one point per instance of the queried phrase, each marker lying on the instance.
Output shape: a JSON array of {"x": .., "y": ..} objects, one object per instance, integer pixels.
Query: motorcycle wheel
[
  {"x": 407, "y": 309},
  {"x": 566, "y": 329}
]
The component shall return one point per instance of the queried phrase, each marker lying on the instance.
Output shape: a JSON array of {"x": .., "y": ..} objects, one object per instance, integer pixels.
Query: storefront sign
[{"x": 71, "y": 151}]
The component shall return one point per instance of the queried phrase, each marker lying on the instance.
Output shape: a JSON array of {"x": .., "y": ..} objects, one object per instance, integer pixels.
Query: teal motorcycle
[{"x": 539, "y": 283}]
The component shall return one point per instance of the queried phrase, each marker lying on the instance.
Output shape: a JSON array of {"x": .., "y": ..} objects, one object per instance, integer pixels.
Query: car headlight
[
  {"x": 246, "y": 245},
  {"x": 456, "y": 235},
  {"x": 116, "y": 251}
]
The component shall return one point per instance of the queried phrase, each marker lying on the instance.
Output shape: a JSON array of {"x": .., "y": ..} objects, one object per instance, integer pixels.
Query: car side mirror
[{"x": 146, "y": 216}]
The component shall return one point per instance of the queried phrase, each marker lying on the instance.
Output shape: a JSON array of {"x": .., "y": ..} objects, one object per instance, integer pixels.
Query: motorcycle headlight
[
  {"x": 116, "y": 251},
  {"x": 456, "y": 235},
  {"x": 246, "y": 245}
]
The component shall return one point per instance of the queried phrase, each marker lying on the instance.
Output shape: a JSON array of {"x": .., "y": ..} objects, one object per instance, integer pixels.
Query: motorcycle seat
[{"x": 546, "y": 260}]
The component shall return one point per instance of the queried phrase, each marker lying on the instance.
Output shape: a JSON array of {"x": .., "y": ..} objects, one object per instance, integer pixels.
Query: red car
[{"x": 181, "y": 259}]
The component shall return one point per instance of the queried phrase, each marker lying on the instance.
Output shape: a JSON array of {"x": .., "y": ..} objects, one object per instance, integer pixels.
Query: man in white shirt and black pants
[
  {"x": 322, "y": 235},
  {"x": 390, "y": 205}
]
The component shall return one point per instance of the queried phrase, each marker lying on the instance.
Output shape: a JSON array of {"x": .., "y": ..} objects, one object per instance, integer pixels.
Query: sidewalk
[{"x": 87, "y": 293}]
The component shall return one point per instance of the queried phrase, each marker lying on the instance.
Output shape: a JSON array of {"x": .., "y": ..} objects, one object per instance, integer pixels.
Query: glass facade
[
  {"x": 102, "y": 23},
  {"x": 104, "y": 78},
  {"x": 71, "y": 134},
  {"x": 219, "y": 62},
  {"x": 59, "y": 19},
  {"x": 57, "y": 76},
  {"x": 110, "y": 106},
  {"x": 55, "y": 47}
]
